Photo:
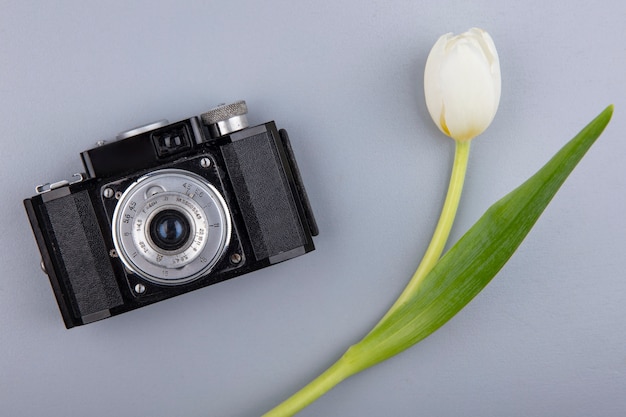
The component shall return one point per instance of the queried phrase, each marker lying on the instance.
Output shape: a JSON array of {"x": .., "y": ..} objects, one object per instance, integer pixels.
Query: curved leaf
[
  {"x": 476, "y": 258},
  {"x": 459, "y": 275}
]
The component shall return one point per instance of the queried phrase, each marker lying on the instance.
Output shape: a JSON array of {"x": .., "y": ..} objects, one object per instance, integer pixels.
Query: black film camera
[{"x": 170, "y": 208}]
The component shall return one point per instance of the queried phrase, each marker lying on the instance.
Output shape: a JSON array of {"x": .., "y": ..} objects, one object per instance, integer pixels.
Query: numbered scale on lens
[{"x": 171, "y": 227}]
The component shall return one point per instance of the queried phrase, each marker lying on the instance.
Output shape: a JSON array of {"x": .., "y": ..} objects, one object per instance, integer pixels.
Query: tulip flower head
[{"x": 462, "y": 83}]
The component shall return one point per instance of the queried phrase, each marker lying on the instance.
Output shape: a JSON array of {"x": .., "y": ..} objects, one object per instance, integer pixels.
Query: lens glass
[{"x": 169, "y": 230}]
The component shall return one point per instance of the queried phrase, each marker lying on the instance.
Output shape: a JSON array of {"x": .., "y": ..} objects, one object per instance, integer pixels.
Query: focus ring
[{"x": 179, "y": 259}]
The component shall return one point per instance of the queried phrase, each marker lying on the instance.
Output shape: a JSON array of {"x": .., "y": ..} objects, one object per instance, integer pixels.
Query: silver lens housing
[{"x": 197, "y": 201}]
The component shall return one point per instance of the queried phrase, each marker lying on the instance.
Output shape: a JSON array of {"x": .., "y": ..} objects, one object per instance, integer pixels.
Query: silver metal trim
[
  {"x": 44, "y": 188},
  {"x": 225, "y": 127},
  {"x": 141, "y": 129},
  {"x": 226, "y": 118},
  {"x": 192, "y": 195},
  {"x": 224, "y": 112}
]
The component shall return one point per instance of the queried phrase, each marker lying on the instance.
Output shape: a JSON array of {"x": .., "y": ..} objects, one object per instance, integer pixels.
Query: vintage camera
[{"x": 170, "y": 208}]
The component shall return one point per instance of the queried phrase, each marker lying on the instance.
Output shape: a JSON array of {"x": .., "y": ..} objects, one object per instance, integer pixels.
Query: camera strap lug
[{"x": 44, "y": 188}]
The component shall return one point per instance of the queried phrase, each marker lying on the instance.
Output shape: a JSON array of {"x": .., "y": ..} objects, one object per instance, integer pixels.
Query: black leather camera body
[{"x": 169, "y": 208}]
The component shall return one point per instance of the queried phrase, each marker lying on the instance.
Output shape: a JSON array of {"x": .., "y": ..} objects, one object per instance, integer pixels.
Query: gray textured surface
[{"x": 546, "y": 337}]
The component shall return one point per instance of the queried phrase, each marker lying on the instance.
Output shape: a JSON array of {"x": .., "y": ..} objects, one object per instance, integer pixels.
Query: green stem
[
  {"x": 349, "y": 364},
  {"x": 442, "y": 231},
  {"x": 339, "y": 371}
]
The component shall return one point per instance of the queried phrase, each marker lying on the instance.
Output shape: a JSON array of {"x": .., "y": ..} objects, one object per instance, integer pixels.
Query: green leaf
[
  {"x": 475, "y": 259},
  {"x": 459, "y": 275}
]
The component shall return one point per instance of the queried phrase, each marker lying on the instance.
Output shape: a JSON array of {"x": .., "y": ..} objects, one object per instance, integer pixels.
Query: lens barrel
[{"x": 171, "y": 227}]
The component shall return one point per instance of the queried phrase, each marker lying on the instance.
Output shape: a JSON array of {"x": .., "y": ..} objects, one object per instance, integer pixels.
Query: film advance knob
[{"x": 226, "y": 118}]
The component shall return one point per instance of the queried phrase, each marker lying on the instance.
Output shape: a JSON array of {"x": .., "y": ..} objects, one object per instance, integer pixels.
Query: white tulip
[{"x": 462, "y": 83}]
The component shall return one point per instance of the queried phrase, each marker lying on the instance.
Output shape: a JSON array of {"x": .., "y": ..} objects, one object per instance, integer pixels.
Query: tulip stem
[
  {"x": 339, "y": 371},
  {"x": 442, "y": 231},
  {"x": 349, "y": 363}
]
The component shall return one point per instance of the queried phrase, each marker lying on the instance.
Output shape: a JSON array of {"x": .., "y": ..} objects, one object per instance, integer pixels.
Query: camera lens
[
  {"x": 171, "y": 227},
  {"x": 169, "y": 230}
]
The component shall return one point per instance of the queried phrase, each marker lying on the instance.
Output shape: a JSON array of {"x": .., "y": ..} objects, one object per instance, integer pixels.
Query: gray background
[{"x": 545, "y": 338}]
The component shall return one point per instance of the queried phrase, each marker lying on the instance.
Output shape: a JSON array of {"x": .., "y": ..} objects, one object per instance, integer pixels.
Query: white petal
[
  {"x": 432, "y": 84},
  {"x": 462, "y": 83},
  {"x": 469, "y": 93}
]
